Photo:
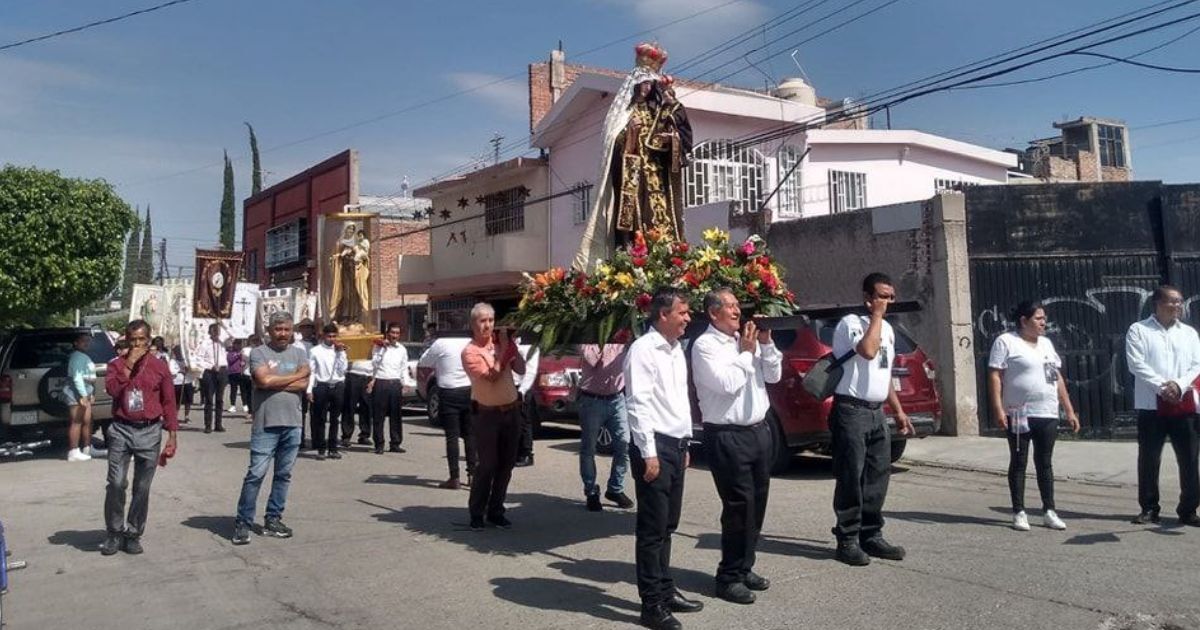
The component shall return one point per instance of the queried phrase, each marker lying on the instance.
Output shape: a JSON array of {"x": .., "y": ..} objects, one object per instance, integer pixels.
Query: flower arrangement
[{"x": 562, "y": 306}]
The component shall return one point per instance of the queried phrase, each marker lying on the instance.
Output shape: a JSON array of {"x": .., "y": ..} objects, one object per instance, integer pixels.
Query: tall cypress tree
[
  {"x": 131, "y": 263},
  {"x": 256, "y": 172},
  {"x": 227, "y": 210},
  {"x": 146, "y": 260}
]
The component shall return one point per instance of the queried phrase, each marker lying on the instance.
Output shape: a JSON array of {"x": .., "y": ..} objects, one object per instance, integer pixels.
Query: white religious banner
[
  {"x": 147, "y": 302},
  {"x": 272, "y": 301},
  {"x": 192, "y": 332},
  {"x": 177, "y": 294},
  {"x": 241, "y": 323},
  {"x": 306, "y": 306}
]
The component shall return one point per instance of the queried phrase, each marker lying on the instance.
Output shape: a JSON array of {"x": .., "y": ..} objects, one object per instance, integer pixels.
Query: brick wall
[
  {"x": 1087, "y": 163},
  {"x": 389, "y": 249},
  {"x": 1115, "y": 174}
]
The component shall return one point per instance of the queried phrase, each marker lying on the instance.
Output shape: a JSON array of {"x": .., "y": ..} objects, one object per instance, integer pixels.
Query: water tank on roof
[{"x": 796, "y": 89}]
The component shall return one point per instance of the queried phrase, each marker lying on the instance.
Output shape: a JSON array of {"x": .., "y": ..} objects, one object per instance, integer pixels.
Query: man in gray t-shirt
[{"x": 280, "y": 373}]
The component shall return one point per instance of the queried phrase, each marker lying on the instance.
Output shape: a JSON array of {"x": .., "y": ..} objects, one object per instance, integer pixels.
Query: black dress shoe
[
  {"x": 525, "y": 461},
  {"x": 659, "y": 618},
  {"x": 680, "y": 604},
  {"x": 379, "y": 450},
  {"x": 395, "y": 448},
  {"x": 756, "y": 582},
  {"x": 848, "y": 552},
  {"x": 593, "y": 503},
  {"x": 219, "y": 429},
  {"x": 878, "y": 547},
  {"x": 477, "y": 524},
  {"x": 1190, "y": 519},
  {"x": 364, "y": 440},
  {"x": 620, "y": 499},
  {"x": 1147, "y": 518},
  {"x": 500, "y": 521},
  {"x": 133, "y": 546},
  {"x": 735, "y": 592},
  {"x": 112, "y": 544},
  {"x": 208, "y": 429}
]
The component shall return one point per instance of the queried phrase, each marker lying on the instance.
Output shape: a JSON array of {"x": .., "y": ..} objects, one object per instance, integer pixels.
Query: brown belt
[{"x": 516, "y": 404}]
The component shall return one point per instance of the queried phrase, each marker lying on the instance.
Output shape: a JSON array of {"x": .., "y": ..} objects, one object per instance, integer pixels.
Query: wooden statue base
[{"x": 359, "y": 347}]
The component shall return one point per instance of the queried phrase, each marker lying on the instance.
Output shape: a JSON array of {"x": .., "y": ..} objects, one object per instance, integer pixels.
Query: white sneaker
[
  {"x": 1051, "y": 520},
  {"x": 1021, "y": 522},
  {"x": 245, "y": 409},
  {"x": 76, "y": 455},
  {"x": 232, "y": 409}
]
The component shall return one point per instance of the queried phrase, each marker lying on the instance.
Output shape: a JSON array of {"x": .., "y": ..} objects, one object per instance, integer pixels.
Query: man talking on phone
[{"x": 861, "y": 441}]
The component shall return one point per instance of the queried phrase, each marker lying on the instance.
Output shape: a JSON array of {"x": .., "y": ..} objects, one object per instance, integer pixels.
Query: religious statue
[
  {"x": 647, "y": 144},
  {"x": 350, "y": 267}
]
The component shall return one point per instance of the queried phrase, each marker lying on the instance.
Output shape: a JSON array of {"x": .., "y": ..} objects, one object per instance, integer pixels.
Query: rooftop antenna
[
  {"x": 797, "y": 62},
  {"x": 495, "y": 142}
]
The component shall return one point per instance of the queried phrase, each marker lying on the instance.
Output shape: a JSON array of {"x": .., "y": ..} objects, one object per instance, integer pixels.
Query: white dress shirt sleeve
[
  {"x": 1135, "y": 357},
  {"x": 430, "y": 356},
  {"x": 376, "y": 361},
  {"x": 640, "y": 379},
  {"x": 711, "y": 371},
  {"x": 312, "y": 371},
  {"x": 772, "y": 362},
  {"x": 1193, "y": 369}
]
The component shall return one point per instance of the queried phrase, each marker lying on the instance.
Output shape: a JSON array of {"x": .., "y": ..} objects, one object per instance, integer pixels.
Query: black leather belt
[
  {"x": 717, "y": 428},
  {"x": 681, "y": 444},
  {"x": 136, "y": 423},
  {"x": 599, "y": 396},
  {"x": 856, "y": 402}
]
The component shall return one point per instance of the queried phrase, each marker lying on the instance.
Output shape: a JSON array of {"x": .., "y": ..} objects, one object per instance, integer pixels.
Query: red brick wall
[
  {"x": 1115, "y": 174},
  {"x": 389, "y": 249}
]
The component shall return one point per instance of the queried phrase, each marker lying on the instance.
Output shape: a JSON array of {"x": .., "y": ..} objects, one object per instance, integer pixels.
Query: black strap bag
[{"x": 826, "y": 373}]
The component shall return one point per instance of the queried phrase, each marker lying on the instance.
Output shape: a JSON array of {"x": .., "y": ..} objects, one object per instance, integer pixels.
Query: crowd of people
[{"x": 639, "y": 391}]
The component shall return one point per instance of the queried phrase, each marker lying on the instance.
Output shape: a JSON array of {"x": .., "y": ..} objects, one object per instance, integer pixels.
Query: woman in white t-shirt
[{"x": 1025, "y": 388}]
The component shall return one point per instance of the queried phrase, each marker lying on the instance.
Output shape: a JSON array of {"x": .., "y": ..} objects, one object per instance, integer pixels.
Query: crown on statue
[{"x": 650, "y": 56}]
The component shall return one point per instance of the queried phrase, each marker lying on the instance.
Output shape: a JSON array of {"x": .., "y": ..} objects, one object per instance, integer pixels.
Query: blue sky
[{"x": 149, "y": 103}]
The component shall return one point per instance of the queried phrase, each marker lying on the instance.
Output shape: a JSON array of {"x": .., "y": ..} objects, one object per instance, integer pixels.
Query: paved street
[{"x": 379, "y": 546}]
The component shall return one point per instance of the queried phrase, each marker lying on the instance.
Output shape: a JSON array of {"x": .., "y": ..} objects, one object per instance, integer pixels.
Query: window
[
  {"x": 950, "y": 185},
  {"x": 505, "y": 211},
  {"x": 1112, "y": 146},
  {"x": 452, "y": 314},
  {"x": 286, "y": 244},
  {"x": 250, "y": 266},
  {"x": 789, "y": 202},
  {"x": 582, "y": 199},
  {"x": 722, "y": 171},
  {"x": 847, "y": 191}
]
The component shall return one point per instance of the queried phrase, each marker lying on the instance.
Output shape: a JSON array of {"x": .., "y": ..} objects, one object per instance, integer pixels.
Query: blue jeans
[
  {"x": 609, "y": 413},
  {"x": 280, "y": 444}
]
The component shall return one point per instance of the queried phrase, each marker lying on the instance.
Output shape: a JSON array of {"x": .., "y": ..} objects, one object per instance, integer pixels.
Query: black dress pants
[
  {"x": 357, "y": 402},
  {"x": 454, "y": 412},
  {"x": 496, "y": 437},
  {"x": 525, "y": 445},
  {"x": 659, "y": 504},
  {"x": 326, "y": 411},
  {"x": 1041, "y": 435},
  {"x": 862, "y": 463},
  {"x": 212, "y": 392},
  {"x": 386, "y": 397},
  {"x": 1152, "y": 431},
  {"x": 739, "y": 458}
]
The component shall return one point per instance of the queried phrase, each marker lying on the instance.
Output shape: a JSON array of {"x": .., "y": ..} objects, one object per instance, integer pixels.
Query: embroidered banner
[{"x": 216, "y": 276}]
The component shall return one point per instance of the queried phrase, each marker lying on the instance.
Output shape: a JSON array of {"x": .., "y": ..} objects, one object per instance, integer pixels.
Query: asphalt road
[{"x": 378, "y": 545}]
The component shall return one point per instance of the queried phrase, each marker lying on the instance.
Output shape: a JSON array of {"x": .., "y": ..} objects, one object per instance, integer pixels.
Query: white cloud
[
  {"x": 510, "y": 94},
  {"x": 695, "y": 35}
]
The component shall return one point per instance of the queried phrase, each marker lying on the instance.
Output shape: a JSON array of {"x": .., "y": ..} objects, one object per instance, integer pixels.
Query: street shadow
[
  {"x": 403, "y": 480},
  {"x": 939, "y": 518},
  {"x": 777, "y": 545},
  {"x": 217, "y": 525},
  {"x": 83, "y": 540},
  {"x": 541, "y": 523},
  {"x": 244, "y": 445},
  {"x": 614, "y": 572},
  {"x": 561, "y": 595}
]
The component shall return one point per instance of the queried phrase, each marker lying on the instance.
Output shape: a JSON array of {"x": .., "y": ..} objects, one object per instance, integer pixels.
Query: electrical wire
[
  {"x": 84, "y": 27},
  {"x": 1140, "y": 64}
]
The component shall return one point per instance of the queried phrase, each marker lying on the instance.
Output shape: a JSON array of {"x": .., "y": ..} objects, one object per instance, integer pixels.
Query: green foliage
[
  {"x": 145, "y": 273},
  {"x": 62, "y": 243},
  {"x": 256, "y": 173},
  {"x": 227, "y": 209}
]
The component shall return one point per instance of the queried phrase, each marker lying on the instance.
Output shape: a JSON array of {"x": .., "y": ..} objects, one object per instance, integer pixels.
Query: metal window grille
[
  {"x": 790, "y": 201},
  {"x": 1112, "y": 146},
  {"x": 721, "y": 171},
  {"x": 504, "y": 212},
  {"x": 847, "y": 191},
  {"x": 950, "y": 185},
  {"x": 582, "y": 202},
  {"x": 285, "y": 243},
  {"x": 452, "y": 314}
]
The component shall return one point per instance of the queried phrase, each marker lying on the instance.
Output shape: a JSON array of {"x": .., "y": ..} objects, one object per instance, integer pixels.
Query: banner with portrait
[
  {"x": 148, "y": 302},
  {"x": 216, "y": 276},
  {"x": 271, "y": 301},
  {"x": 177, "y": 294},
  {"x": 344, "y": 255}
]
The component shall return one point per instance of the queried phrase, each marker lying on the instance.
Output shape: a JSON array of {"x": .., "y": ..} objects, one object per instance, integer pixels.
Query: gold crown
[{"x": 650, "y": 56}]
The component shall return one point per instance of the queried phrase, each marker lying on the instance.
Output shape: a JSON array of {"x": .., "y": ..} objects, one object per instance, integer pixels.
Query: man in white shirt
[
  {"x": 1163, "y": 354},
  {"x": 525, "y": 383},
  {"x": 326, "y": 387},
  {"x": 660, "y": 423},
  {"x": 858, "y": 426},
  {"x": 731, "y": 372},
  {"x": 305, "y": 338},
  {"x": 357, "y": 401},
  {"x": 211, "y": 360},
  {"x": 386, "y": 387},
  {"x": 444, "y": 355}
]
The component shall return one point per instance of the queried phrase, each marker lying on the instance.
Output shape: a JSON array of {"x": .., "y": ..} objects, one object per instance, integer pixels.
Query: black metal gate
[{"x": 1092, "y": 254}]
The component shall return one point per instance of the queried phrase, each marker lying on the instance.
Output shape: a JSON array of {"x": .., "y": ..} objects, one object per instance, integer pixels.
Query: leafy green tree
[
  {"x": 227, "y": 209},
  {"x": 146, "y": 258},
  {"x": 62, "y": 243},
  {"x": 132, "y": 258},
  {"x": 256, "y": 172}
]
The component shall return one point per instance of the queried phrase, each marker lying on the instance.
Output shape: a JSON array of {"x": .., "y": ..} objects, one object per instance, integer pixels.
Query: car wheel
[
  {"x": 781, "y": 453},
  {"x": 604, "y": 441},
  {"x": 431, "y": 406},
  {"x": 898, "y": 449}
]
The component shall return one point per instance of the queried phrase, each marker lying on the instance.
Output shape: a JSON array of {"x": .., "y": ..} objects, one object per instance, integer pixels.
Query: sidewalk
[{"x": 1098, "y": 462}]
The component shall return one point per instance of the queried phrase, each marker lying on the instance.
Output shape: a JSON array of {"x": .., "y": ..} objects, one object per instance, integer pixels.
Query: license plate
[
  {"x": 25, "y": 417},
  {"x": 896, "y": 383}
]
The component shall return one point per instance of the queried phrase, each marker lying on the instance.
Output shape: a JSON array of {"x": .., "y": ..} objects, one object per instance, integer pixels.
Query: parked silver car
[{"x": 33, "y": 372}]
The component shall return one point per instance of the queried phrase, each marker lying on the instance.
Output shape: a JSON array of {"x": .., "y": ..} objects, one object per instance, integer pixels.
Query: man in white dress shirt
[
  {"x": 326, "y": 388},
  {"x": 731, "y": 371},
  {"x": 386, "y": 387},
  {"x": 525, "y": 383},
  {"x": 1163, "y": 354},
  {"x": 660, "y": 423},
  {"x": 213, "y": 364},
  {"x": 453, "y": 385},
  {"x": 862, "y": 447}
]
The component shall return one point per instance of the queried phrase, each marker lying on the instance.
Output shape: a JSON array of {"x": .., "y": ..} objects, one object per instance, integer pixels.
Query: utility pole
[
  {"x": 163, "y": 272},
  {"x": 495, "y": 142}
]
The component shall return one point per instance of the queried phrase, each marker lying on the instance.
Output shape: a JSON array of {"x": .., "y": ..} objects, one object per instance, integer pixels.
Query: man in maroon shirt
[{"x": 143, "y": 404}]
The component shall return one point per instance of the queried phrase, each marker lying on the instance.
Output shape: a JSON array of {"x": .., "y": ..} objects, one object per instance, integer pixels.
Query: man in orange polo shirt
[{"x": 490, "y": 360}]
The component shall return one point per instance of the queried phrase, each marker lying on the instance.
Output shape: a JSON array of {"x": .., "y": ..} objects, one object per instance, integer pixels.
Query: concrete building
[{"x": 1088, "y": 149}]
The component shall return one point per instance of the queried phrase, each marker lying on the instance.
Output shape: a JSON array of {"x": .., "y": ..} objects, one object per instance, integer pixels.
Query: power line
[
  {"x": 1166, "y": 123},
  {"x": 1140, "y": 64},
  {"x": 84, "y": 27}
]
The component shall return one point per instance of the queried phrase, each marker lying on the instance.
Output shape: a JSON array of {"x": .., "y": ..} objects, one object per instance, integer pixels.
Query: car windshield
[{"x": 51, "y": 349}]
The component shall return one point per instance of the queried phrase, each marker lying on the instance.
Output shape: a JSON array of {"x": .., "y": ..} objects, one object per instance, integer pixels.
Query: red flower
[
  {"x": 681, "y": 247},
  {"x": 677, "y": 261},
  {"x": 765, "y": 261},
  {"x": 747, "y": 248},
  {"x": 726, "y": 261},
  {"x": 643, "y": 301},
  {"x": 639, "y": 261},
  {"x": 539, "y": 296},
  {"x": 580, "y": 281},
  {"x": 691, "y": 279},
  {"x": 791, "y": 297},
  {"x": 752, "y": 289},
  {"x": 379, "y": 343}
]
